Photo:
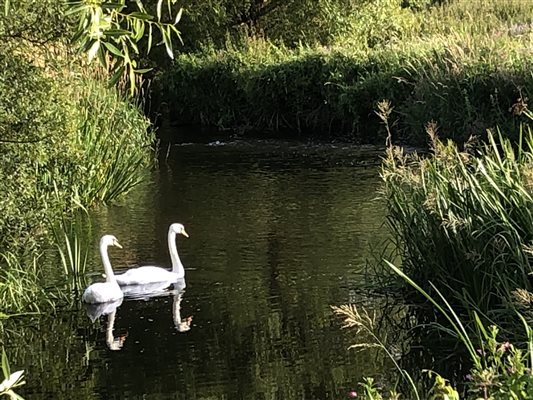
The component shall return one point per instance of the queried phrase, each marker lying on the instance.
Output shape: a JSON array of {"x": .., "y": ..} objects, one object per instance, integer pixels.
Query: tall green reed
[
  {"x": 464, "y": 218},
  {"x": 71, "y": 238},
  {"x": 21, "y": 291}
]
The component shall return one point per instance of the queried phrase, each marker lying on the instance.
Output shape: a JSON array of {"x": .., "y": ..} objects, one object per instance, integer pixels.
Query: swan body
[
  {"x": 146, "y": 291},
  {"x": 108, "y": 291},
  {"x": 150, "y": 274}
]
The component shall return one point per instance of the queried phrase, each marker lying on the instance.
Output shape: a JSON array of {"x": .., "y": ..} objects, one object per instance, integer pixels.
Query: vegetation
[
  {"x": 66, "y": 142},
  {"x": 11, "y": 380},
  {"x": 463, "y": 219},
  {"x": 433, "y": 61},
  {"x": 113, "y": 32},
  {"x": 461, "y": 225},
  {"x": 462, "y": 216},
  {"x": 500, "y": 370}
]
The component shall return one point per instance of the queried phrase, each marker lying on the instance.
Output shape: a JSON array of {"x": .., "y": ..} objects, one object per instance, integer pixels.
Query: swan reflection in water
[
  {"x": 95, "y": 311},
  {"x": 140, "y": 292},
  {"x": 181, "y": 324},
  {"x": 162, "y": 289}
]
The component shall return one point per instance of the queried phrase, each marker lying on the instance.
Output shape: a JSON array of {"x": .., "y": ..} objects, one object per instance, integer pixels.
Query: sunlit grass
[
  {"x": 464, "y": 218},
  {"x": 21, "y": 291}
]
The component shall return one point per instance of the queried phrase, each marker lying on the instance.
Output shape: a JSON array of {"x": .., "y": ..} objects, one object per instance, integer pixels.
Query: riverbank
[
  {"x": 439, "y": 63},
  {"x": 67, "y": 142}
]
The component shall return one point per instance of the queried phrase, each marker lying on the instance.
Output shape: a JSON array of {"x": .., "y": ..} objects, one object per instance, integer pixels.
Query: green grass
[
  {"x": 441, "y": 64},
  {"x": 464, "y": 218}
]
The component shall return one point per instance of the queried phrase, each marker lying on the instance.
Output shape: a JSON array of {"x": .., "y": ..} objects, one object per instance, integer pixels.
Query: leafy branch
[{"x": 112, "y": 31}]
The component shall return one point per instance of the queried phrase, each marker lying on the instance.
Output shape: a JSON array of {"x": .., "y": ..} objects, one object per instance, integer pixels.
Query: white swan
[
  {"x": 104, "y": 292},
  {"x": 150, "y": 274}
]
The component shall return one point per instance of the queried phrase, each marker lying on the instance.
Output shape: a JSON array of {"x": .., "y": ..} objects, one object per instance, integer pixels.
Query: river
[{"x": 279, "y": 232}]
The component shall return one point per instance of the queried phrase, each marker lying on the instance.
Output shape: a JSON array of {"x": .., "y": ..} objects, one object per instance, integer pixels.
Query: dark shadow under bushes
[{"x": 332, "y": 93}]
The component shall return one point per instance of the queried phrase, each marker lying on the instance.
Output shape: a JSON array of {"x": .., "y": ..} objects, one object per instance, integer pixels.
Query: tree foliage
[{"x": 113, "y": 31}]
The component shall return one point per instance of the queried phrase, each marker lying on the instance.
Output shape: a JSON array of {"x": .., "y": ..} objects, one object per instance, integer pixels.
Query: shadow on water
[{"x": 279, "y": 232}]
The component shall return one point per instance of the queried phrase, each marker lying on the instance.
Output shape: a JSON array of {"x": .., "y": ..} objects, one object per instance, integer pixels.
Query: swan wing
[{"x": 145, "y": 275}]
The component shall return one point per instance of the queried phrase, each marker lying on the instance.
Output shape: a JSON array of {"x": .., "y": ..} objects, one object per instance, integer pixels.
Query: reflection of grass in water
[{"x": 54, "y": 352}]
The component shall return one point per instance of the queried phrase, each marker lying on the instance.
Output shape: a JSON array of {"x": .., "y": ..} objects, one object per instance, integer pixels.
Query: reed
[
  {"x": 464, "y": 218},
  {"x": 71, "y": 238},
  {"x": 21, "y": 292}
]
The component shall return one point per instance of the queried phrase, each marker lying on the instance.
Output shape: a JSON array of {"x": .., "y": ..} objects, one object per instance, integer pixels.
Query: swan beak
[
  {"x": 184, "y": 233},
  {"x": 116, "y": 243}
]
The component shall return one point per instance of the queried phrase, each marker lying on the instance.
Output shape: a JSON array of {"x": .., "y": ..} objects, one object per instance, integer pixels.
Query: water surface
[{"x": 279, "y": 232}]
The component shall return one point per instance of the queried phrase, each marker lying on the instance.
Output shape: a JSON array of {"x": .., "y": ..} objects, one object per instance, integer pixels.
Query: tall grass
[
  {"x": 499, "y": 369},
  {"x": 464, "y": 218},
  {"x": 21, "y": 289},
  {"x": 71, "y": 238}
]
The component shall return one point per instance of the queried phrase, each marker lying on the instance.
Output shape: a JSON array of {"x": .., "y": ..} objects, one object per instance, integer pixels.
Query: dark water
[{"x": 278, "y": 233}]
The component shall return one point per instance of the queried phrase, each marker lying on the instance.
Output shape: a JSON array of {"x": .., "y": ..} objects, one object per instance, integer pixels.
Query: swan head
[
  {"x": 178, "y": 229},
  {"x": 109, "y": 240}
]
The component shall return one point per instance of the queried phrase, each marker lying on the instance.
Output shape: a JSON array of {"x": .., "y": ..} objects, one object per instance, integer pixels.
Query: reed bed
[{"x": 463, "y": 219}]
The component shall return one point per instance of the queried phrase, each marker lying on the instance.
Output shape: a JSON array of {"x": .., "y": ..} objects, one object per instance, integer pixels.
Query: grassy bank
[
  {"x": 67, "y": 141},
  {"x": 462, "y": 64},
  {"x": 461, "y": 221}
]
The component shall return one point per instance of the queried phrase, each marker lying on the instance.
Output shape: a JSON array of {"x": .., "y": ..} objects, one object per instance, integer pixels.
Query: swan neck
[
  {"x": 110, "y": 276},
  {"x": 177, "y": 266}
]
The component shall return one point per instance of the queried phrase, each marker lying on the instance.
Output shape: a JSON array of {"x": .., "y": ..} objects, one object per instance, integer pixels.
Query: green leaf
[
  {"x": 116, "y": 76},
  {"x": 5, "y": 365},
  {"x": 76, "y": 9},
  {"x": 139, "y": 15},
  {"x": 113, "y": 49},
  {"x": 112, "y": 6},
  {"x": 167, "y": 41},
  {"x": 149, "y": 38},
  {"x": 159, "y": 5},
  {"x": 117, "y": 32}
]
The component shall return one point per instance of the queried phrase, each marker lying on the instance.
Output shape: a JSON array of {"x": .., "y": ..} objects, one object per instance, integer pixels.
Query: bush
[{"x": 433, "y": 63}]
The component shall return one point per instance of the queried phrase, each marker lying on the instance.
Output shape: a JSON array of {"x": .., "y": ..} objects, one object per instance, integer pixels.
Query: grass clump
[{"x": 464, "y": 218}]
